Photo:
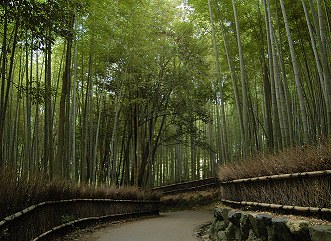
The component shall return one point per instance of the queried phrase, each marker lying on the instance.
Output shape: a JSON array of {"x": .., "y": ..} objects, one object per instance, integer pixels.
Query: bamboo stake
[
  {"x": 280, "y": 176},
  {"x": 278, "y": 206}
]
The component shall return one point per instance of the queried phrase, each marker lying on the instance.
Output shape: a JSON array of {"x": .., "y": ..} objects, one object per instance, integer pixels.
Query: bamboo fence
[
  {"x": 188, "y": 186},
  {"x": 280, "y": 176},
  {"x": 41, "y": 219},
  {"x": 306, "y": 192}
]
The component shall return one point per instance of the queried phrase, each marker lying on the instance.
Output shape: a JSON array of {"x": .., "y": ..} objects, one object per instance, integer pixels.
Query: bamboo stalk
[
  {"x": 278, "y": 206},
  {"x": 280, "y": 176}
]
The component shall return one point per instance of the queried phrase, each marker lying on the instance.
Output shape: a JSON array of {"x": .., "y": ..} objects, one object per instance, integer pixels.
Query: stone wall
[{"x": 233, "y": 225}]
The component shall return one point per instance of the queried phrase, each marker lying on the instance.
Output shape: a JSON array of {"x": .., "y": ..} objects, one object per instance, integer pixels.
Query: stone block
[
  {"x": 220, "y": 226},
  {"x": 299, "y": 230},
  {"x": 225, "y": 212},
  {"x": 221, "y": 236},
  {"x": 320, "y": 233},
  {"x": 213, "y": 228},
  {"x": 252, "y": 236},
  {"x": 263, "y": 220},
  {"x": 234, "y": 217},
  {"x": 218, "y": 214},
  {"x": 281, "y": 230},
  {"x": 245, "y": 226},
  {"x": 230, "y": 232},
  {"x": 271, "y": 234},
  {"x": 253, "y": 224}
]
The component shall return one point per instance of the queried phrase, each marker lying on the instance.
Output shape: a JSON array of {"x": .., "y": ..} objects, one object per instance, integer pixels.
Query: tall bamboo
[
  {"x": 298, "y": 83},
  {"x": 219, "y": 85},
  {"x": 243, "y": 82},
  {"x": 234, "y": 82},
  {"x": 325, "y": 65}
]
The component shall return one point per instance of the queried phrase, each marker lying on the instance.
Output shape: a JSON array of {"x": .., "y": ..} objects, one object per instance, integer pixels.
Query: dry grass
[
  {"x": 191, "y": 199},
  {"x": 308, "y": 192},
  {"x": 297, "y": 159},
  {"x": 19, "y": 193}
]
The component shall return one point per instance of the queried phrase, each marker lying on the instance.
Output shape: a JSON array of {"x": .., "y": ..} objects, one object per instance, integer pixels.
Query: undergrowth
[
  {"x": 297, "y": 159},
  {"x": 190, "y": 199},
  {"x": 18, "y": 193},
  {"x": 312, "y": 191}
]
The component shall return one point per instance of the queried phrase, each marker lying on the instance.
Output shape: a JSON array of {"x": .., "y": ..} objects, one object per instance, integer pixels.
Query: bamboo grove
[{"x": 144, "y": 92}]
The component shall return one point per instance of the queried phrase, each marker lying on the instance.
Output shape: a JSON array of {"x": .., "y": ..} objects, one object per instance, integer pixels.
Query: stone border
[{"x": 230, "y": 224}]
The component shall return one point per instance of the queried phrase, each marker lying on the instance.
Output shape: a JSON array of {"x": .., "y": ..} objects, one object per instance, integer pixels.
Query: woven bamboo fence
[
  {"x": 308, "y": 192},
  {"x": 188, "y": 186},
  {"x": 35, "y": 222}
]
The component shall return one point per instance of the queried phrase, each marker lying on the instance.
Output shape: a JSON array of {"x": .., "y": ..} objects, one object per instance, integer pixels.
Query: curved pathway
[{"x": 172, "y": 226}]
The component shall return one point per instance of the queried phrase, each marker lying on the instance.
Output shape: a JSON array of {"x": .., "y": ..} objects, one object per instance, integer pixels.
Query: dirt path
[{"x": 172, "y": 226}]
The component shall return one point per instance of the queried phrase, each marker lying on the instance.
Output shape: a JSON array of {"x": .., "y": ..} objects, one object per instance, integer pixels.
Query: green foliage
[{"x": 141, "y": 78}]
